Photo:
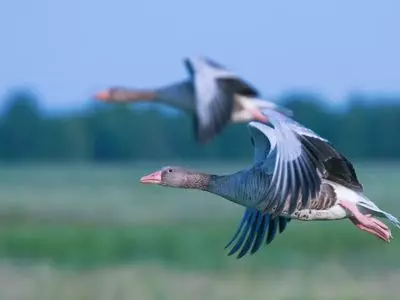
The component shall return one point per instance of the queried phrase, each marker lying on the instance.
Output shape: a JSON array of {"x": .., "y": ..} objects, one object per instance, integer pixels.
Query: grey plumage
[
  {"x": 209, "y": 94},
  {"x": 291, "y": 166},
  {"x": 304, "y": 146},
  {"x": 212, "y": 94}
]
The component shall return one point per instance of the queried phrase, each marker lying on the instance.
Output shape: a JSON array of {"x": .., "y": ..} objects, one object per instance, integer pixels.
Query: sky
[{"x": 65, "y": 50}]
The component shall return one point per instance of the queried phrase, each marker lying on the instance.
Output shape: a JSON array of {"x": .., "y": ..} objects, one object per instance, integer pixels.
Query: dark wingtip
[
  {"x": 254, "y": 231},
  {"x": 282, "y": 224},
  {"x": 261, "y": 234},
  {"x": 255, "y": 226},
  {"x": 273, "y": 224},
  {"x": 250, "y": 218},
  {"x": 239, "y": 228}
]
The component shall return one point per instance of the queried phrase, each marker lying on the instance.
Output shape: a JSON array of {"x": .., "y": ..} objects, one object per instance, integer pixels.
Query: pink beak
[
  {"x": 258, "y": 116},
  {"x": 153, "y": 178}
]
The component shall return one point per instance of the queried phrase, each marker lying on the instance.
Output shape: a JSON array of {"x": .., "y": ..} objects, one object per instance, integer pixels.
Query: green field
[{"x": 94, "y": 232}]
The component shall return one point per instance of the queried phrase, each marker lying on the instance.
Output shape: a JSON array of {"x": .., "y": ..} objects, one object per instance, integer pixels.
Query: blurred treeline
[{"x": 105, "y": 133}]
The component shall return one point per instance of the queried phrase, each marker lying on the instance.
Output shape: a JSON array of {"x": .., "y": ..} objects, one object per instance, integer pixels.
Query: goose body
[
  {"x": 214, "y": 95},
  {"x": 296, "y": 174}
]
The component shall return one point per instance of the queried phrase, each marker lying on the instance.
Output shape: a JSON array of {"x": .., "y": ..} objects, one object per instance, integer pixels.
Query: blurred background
[{"x": 75, "y": 222}]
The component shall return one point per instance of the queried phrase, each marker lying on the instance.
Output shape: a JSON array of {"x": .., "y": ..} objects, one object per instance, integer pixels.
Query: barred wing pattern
[{"x": 296, "y": 170}]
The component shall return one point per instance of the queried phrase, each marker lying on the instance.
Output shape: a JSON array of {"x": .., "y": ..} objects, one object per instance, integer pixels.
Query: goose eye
[{"x": 169, "y": 170}]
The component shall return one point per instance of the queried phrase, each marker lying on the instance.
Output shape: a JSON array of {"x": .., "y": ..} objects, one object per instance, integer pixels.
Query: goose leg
[{"x": 367, "y": 222}]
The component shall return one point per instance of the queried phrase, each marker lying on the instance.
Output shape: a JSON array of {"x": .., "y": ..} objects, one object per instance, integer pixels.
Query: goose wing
[
  {"x": 256, "y": 226},
  {"x": 278, "y": 150},
  {"x": 336, "y": 167},
  {"x": 296, "y": 170},
  {"x": 215, "y": 89}
]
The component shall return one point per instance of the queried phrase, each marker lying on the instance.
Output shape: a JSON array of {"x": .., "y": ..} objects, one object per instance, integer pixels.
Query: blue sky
[{"x": 66, "y": 50}]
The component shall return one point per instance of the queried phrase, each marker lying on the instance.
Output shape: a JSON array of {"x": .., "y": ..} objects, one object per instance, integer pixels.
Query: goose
[
  {"x": 296, "y": 174},
  {"x": 214, "y": 95}
]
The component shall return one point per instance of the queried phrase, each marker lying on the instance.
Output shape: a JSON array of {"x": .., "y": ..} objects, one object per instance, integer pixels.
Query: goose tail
[{"x": 393, "y": 219}]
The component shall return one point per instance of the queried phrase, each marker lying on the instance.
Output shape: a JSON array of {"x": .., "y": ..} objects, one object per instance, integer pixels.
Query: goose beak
[
  {"x": 259, "y": 116},
  {"x": 103, "y": 95},
  {"x": 153, "y": 178}
]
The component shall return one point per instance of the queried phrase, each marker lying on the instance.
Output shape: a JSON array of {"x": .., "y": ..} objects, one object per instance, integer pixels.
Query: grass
[
  {"x": 192, "y": 246},
  {"x": 152, "y": 281},
  {"x": 69, "y": 229}
]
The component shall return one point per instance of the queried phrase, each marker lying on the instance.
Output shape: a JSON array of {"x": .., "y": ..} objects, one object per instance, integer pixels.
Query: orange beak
[
  {"x": 103, "y": 95},
  {"x": 153, "y": 178}
]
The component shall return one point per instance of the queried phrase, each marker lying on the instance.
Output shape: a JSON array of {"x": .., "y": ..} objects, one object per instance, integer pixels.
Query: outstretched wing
[
  {"x": 295, "y": 169},
  {"x": 254, "y": 228},
  {"x": 336, "y": 167},
  {"x": 215, "y": 88}
]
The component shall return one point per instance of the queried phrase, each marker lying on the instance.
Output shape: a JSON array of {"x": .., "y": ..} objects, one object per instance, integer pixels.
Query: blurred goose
[
  {"x": 296, "y": 174},
  {"x": 214, "y": 95}
]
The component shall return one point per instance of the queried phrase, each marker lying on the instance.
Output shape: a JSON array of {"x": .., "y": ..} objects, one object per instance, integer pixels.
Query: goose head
[{"x": 177, "y": 177}]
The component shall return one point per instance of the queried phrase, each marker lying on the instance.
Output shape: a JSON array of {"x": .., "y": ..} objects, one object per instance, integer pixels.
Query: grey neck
[
  {"x": 180, "y": 95},
  {"x": 246, "y": 187},
  {"x": 196, "y": 181}
]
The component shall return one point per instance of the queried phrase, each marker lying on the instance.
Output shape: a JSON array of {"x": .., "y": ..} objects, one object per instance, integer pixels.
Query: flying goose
[
  {"x": 296, "y": 174},
  {"x": 214, "y": 95}
]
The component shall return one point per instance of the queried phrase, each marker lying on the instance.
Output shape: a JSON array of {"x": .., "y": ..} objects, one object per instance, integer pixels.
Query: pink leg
[{"x": 367, "y": 222}]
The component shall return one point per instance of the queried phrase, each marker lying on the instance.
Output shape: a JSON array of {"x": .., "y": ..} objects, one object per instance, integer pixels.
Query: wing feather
[
  {"x": 215, "y": 89},
  {"x": 298, "y": 159},
  {"x": 261, "y": 234},
  {"x": 336, "y": 167},
  {"x": 252, "y": 231},
  {"x": 295, "y": 176},
  {"x": 301, "y": 158}
]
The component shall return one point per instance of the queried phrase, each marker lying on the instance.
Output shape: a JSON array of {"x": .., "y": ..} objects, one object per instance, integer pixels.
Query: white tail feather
[
  {"x": 393, "y": 219},
  {"x": 371, "y": 208}
]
